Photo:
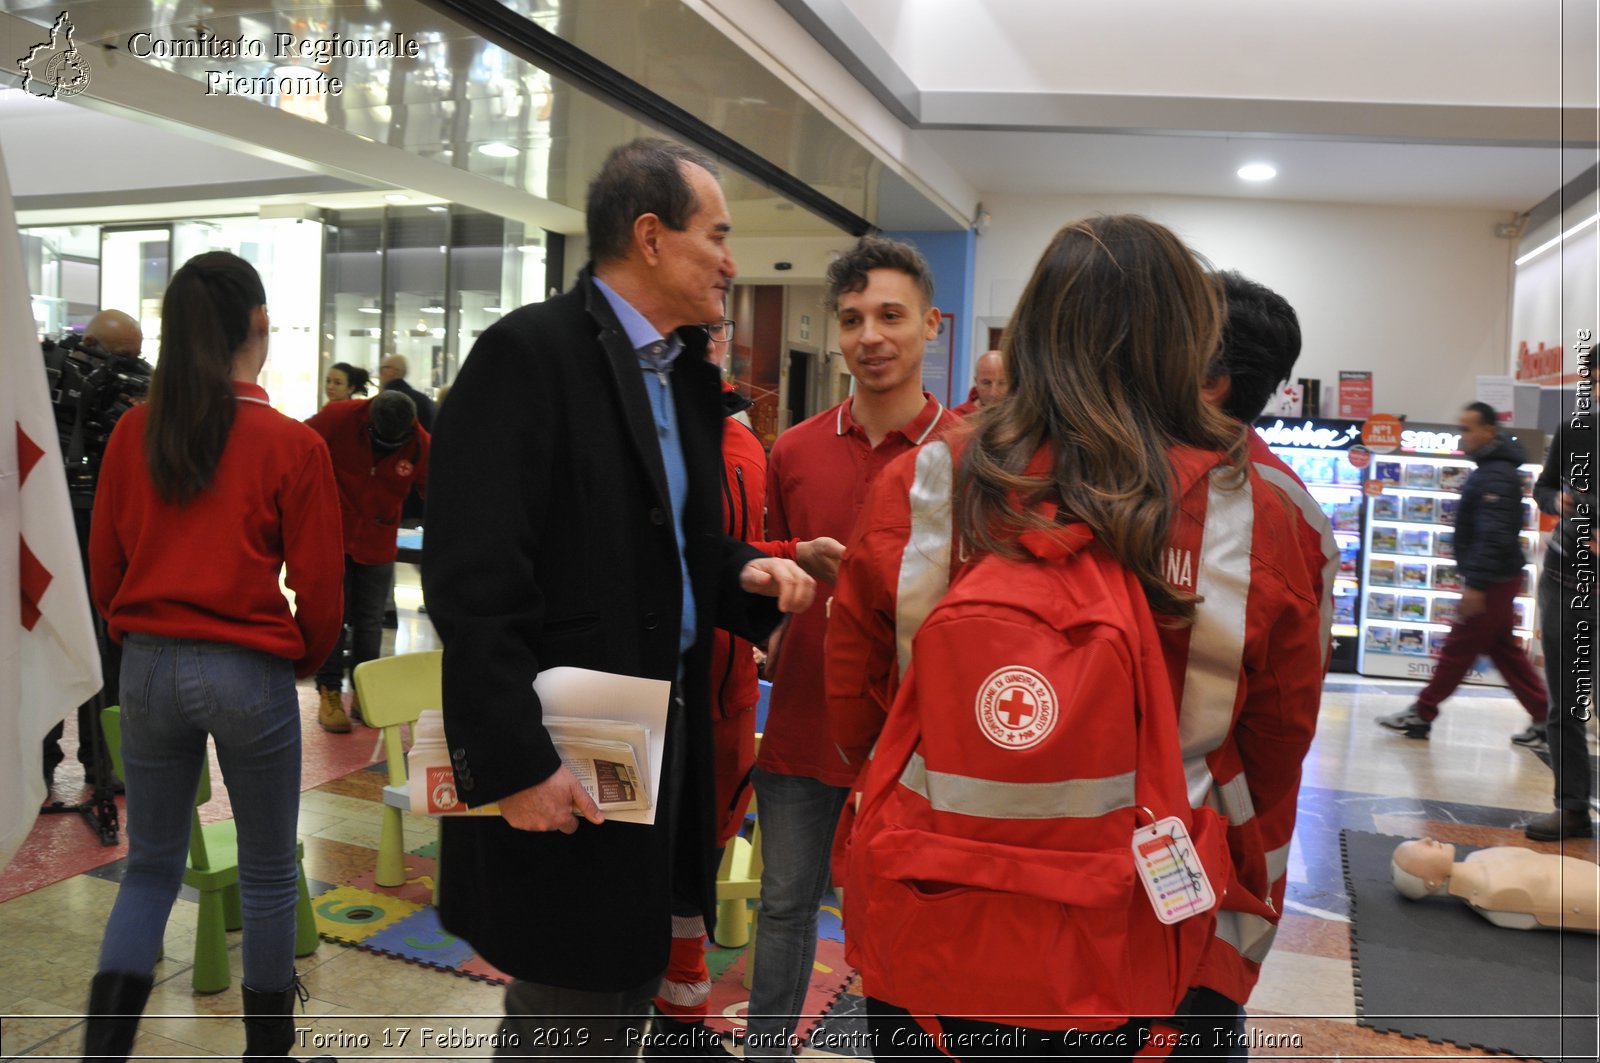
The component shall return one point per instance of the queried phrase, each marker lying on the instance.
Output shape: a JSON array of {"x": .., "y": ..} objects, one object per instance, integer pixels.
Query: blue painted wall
[{"x": 953, "y": 256}]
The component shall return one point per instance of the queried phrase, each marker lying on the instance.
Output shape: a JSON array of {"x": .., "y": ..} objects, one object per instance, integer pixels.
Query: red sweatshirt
[
  {"x": 209, "y": 570},
  {"x": 372, "y": 488}
]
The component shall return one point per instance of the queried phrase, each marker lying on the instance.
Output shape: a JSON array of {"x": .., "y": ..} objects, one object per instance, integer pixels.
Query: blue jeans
[
  {"x": 797, "y": 816},
  {"x": 174, "y": 693}
]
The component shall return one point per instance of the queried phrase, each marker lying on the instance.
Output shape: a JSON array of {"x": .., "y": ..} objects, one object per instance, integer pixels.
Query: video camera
[{"x": 90, "y": 391}]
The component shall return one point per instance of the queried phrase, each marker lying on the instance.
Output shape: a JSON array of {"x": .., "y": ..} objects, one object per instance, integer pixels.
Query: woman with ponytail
[{"x": 206, "y": 494}]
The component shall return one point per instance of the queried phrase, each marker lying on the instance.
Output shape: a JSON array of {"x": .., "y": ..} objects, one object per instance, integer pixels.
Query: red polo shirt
[{"x": 817, "y": 481}]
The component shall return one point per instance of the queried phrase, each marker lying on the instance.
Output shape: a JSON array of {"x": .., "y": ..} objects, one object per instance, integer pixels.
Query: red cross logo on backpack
[{"x": 1016, "y": 708}]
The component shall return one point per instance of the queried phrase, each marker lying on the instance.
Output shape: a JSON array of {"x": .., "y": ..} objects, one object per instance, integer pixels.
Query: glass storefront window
[
  {"x": 62, "y": 263},
  {"x": 287, "y": 252},
  {"x": 353, "y": 316},
  {"x": 416, "y": 275},
  {"x": 135, "y": 264},
  {"x": 492, "y": 264}
]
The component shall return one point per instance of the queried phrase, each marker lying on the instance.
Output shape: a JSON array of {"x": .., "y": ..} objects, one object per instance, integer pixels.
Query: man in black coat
[
  {"x": 575, "y": 520},
  {"x": 1568, "y": 621},
  {"x": 1489, "y": 557}
]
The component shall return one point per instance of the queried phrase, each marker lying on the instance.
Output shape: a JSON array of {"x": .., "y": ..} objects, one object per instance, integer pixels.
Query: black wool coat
[{"x": 550, "y": 541}]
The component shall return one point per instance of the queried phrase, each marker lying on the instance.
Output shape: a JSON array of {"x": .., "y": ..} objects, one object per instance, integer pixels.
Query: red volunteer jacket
[
  {"x": 995, "y": 836},
  {"x": 1247, "y": 676},
  {"x": 735, "y": 685},
  {"x": 209, "y": 570},
  {"x": 371, "y": 489}
]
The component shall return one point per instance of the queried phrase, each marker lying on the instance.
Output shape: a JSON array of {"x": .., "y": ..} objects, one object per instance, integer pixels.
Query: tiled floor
[{"x": 1468, "y": 784}]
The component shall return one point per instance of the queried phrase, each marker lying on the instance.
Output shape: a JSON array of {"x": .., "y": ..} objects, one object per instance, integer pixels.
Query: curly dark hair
[{"x": 848, "y": 273}]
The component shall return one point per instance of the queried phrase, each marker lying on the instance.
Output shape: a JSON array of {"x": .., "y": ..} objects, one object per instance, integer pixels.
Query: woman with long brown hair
[
  {"x": 982, "y": 764},
  {"x": 206, "y": 494}
]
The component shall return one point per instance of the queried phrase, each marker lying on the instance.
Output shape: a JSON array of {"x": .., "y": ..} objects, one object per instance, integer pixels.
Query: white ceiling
[
  {"x": 1361, "y": 101},
  {"x": 55, "y": 148},
  {"x": 1438, "y": 175},
  {"x": 1399, "y": 102}
]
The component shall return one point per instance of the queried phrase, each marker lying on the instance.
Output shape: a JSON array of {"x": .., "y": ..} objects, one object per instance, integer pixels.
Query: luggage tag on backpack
[{"x": 1167, "y": 864}]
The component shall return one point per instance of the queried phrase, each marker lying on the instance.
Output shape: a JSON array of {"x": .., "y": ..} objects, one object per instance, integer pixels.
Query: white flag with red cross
[{"x": 49, "y": 661}]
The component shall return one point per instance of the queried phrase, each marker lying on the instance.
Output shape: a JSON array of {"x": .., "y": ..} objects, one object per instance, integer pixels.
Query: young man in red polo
[{"x": 817, "y": 480}]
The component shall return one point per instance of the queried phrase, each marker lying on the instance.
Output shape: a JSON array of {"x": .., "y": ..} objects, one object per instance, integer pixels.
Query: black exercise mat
[{"x": 1437, "y": 970}]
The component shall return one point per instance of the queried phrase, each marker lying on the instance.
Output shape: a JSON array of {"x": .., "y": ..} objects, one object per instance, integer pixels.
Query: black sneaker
[
  {"x": 1407, "y": 722},
  {"x": 1562, "y": 823},
  {"x": 1533, "y": 737}
]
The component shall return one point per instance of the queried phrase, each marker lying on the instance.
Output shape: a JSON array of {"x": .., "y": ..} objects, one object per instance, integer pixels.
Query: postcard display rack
[
  {"x": 1411, "y": 585},
  {"x": 1318, "y": 451}
]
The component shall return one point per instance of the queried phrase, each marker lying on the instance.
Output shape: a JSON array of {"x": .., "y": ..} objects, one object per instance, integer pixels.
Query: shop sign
[
  {"x": 1359, "y": 456},
  {"x": 1381, "y": 433},
  {"x": 1542, "y": 365},
  {"x": 1419, "y": 441},
  {"x": 1312, "y": 435},
  {"x": 1372, "y": 488},
  {"x": 1355, "y": 393}
]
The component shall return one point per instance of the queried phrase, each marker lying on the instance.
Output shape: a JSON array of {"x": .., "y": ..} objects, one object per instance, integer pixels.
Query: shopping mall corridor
[{"x": 1469, "y": 784}]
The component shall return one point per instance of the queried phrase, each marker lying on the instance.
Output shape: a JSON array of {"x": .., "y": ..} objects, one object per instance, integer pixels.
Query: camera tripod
[{"x": 100, "y": 809}]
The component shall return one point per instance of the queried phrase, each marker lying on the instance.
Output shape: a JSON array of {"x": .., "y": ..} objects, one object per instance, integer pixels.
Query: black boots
[
  {"x": 116, "y": 1001},
  {"x": 1562, "y": 823},
  {"x": 269, "y": 1024}
]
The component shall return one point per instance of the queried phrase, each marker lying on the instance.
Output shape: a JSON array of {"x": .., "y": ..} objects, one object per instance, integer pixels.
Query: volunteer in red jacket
[
  {"x": 1252, "y": 756},
  {"x": 379, "y": 453},
  {"x": 206, "y": 494},
  {"x": 817, "y": 479},
  {"x": 1106, "y": 353}
]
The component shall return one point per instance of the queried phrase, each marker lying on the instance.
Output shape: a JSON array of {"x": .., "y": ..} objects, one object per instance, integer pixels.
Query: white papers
[
  {"x": 604, "y": 696},
  {"x": 608, "y": 758}
]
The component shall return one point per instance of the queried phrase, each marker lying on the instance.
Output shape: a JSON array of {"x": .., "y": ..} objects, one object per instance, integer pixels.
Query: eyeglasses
[{"x": 721, "y": 331}]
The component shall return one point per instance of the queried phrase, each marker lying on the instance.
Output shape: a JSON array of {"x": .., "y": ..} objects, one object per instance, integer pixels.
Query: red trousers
[{"x": 1487, "y": 633}]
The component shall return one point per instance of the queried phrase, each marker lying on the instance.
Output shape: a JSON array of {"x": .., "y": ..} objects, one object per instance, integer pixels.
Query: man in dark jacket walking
[{"x": 1490, "y": 559}]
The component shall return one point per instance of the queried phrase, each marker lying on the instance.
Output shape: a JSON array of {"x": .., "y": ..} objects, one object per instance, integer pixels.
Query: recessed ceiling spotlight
[
  {"x": 1257, "y": 171},
  {"x": 397, "y": 197},
  {"x": 438, "y": 209},
  {"x": 498, "y": 150}
]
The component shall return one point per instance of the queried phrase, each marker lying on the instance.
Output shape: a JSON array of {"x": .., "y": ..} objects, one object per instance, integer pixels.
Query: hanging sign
[
  {"x": 1381, "y": 433},
  {"x": 1355, "y": 393}
]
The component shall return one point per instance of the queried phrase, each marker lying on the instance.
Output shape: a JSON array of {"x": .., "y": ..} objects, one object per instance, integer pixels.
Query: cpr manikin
[{"x": 1510, "y": 887}]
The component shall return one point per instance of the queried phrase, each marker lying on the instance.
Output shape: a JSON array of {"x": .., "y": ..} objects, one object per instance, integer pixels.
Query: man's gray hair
[{"x": 644, "y": 176}]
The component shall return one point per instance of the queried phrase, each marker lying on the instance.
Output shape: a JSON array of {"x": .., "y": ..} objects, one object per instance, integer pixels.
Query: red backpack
[{"x": 991, "y": 871}]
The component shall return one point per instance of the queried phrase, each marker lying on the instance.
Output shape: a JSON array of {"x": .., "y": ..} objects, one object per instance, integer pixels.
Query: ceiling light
[
  {"x": 1554, "y": 240},
  {"x": 494, "y": 309},
  {"x": 1257, "y": 171},
  {"x": 438, "y": 209},
  {"x": 370, "y": 309},
  {"x": 397, "y": 197},
  {"x": 498, "y": 150},
  {"x": 434, "y": 308}
]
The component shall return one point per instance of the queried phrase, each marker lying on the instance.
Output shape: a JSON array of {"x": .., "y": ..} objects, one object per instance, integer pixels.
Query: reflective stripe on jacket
[
  {"x": 991, "y": 871},
  {"x": 1247, "y": 675}
]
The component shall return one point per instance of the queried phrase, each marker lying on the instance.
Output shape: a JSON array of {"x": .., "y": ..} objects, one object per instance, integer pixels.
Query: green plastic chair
[
  {"x": 213, "y": 871},
  {"x": 394, "y": 691}
]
